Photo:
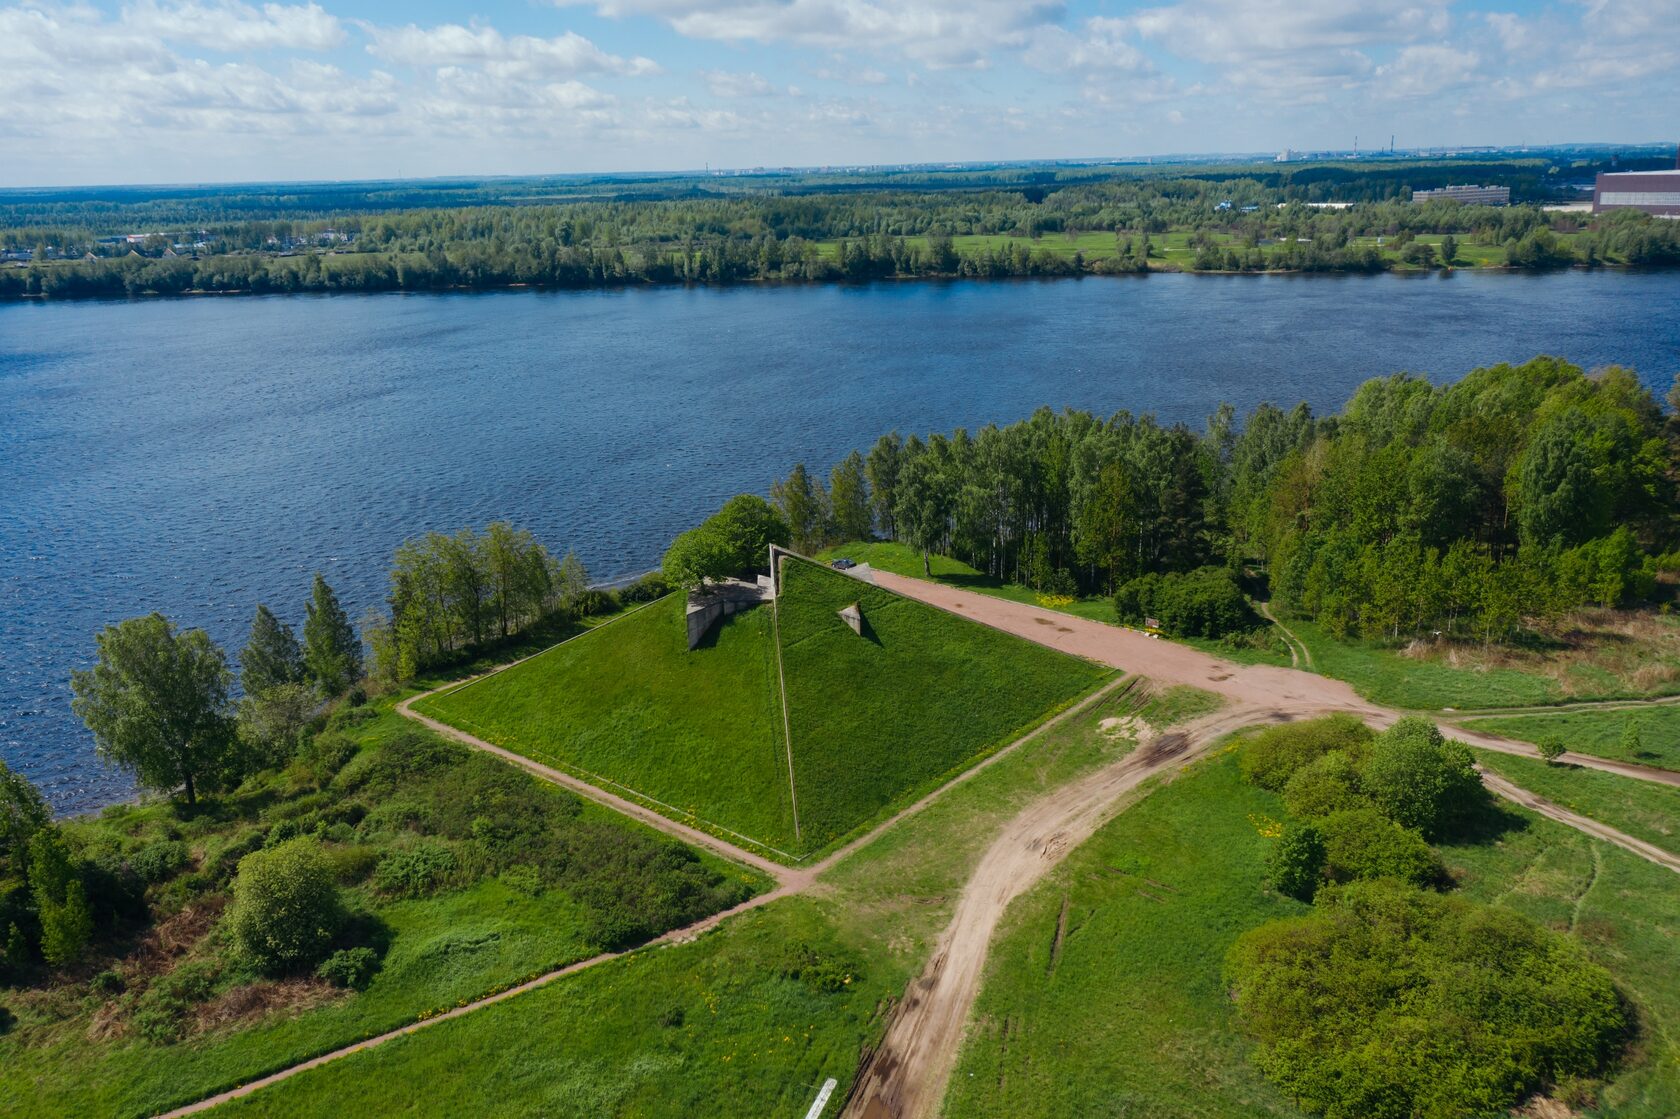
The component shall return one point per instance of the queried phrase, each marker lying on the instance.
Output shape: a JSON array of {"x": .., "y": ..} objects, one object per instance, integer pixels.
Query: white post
[{"x": 821, "y": 1100}]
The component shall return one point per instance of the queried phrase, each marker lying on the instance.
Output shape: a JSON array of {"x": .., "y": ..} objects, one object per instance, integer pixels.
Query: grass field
[
  {"x": 1103, "y": 993},
  {"x": 1599, "y": 732},
  {"x": 75, "y": 1048},
  {"x": 629, "y": 706},
  {"x": 1644, "y": 810},
  {"x": 920, "y": 695},
  {"x": 1624, "y": 911},
  {"x": 712, "y": 1028}
]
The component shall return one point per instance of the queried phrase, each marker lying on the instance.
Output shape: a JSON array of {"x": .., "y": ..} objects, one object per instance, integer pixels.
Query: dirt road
[
  {"x": 905, "y": 1077},
  {"x": 1169, "y": 663}
]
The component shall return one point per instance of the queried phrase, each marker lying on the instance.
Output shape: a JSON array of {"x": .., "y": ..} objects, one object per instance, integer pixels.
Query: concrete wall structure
[
  {"x": 718, "y": 601},
  {"x": 1466, "y": 193}
]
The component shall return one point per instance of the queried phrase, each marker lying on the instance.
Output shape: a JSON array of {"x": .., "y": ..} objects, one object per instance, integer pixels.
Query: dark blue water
[{"x": 197, "y": 456}]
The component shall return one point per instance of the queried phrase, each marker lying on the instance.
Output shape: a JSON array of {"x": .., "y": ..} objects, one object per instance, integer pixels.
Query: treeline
[
  {"x": 1243, "y": 222},
  {"x": 1517, "y": 492}
]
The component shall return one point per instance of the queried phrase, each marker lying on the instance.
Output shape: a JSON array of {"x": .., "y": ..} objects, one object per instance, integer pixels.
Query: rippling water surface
[{"x": 198, "y": 456}]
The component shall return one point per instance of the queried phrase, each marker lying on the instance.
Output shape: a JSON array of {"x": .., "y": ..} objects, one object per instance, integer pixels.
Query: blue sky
[{"x": 223, "y": 90}]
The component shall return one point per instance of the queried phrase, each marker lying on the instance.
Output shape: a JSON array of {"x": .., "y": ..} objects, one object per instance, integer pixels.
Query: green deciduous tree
[
  {"x": 157, "y": 704},
  {"x": 848, "y": 494},
  {"x": 23, "y": 812},
  {"x": 272, "y": 722},
  {"x": 804, "y": 506},
  {"x": 286, "y": 909},
  {"x": 60, "y": 899},
  {"x": 271, "y": 655},
  {"x": 1420, "y": 780},
  {"x": 1295, "y": 864},
  {"x": 332, "y": 654}
]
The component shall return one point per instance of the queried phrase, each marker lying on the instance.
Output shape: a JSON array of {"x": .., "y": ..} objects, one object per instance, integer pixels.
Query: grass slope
[
  {"x": 1102, "y": 994},
  {"x": 919, "y": 695},
  {"x": 74, "y": 1051},
  {"x": 1599, "y": 732},
  {"x": 699, "y": 731}
]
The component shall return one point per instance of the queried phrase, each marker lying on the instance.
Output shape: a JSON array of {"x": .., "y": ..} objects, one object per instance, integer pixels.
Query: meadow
[
  {"x": 1601, "y": 732},
  {"x": 164, "y": 1012},
  {"x": 736, "y": 1022},
  {"x": 1642, "y": 809},
  {"x": 1103, "y": 995}
]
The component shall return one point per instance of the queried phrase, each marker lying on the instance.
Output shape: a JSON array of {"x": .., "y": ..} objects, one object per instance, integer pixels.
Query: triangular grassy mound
[{"x": 918, "y": 695}]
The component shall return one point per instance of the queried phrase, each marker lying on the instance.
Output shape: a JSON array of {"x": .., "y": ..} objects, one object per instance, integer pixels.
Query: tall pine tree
[
  {"x": 271, "y": 655},
  {"x": 332, "y": 654}
]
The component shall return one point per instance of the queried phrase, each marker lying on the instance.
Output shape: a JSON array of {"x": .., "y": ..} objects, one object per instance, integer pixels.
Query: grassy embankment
[
  {"x": 731, "y": 1023},
  {"x": 698, "y": 735},
  {"x": 164, "y": 1012},
  {"x": 1104, "y": 994}
]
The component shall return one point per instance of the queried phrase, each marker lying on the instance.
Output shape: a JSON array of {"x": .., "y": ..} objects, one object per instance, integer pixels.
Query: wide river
[{"x": 199, "y": 456}]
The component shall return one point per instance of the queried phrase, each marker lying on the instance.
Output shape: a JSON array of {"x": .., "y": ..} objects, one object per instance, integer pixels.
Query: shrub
[
  {"x": 1388, "y": 1002},
  {"x": 523, "y": 879},
  {"x": 7, "y": 1021},
  {"x": 1295, "y": 864},
  {"x": 823, "y": 972},
  {"x": 158, "y": 861},
  {"x": 645, "y": 589},
  {"x": 415, "y": 872},
  {"x": 283, "y": 832},
  {"x": 1363, "y": 843},
  {"x": 1270, "y": 758},
  {"x": 1329, "y": 784},
  {"x": 353, "y": 968},
  {"x": 1203, "y": 603},
  {"x": 1552, "y": 748},
  {"x": 160, "y": 1012},
  {"x": 352, "y": 862},
  {"x": 286, "y": 908},
  {"x": 1421, "y": 780},
  {"x": 61, "y": 903},
  {"x": 108, "y": 983},
  {"x": 592, "y": 603},
  {"x": 325, "y": 754}
]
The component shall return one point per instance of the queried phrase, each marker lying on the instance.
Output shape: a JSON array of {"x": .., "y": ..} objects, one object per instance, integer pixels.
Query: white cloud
[
  {"x": 725, "y": 83},
  {"x": 942, "y": 33},
  {"x": 506, "y": 56},
  {"x": 232, "y": 27},
  {"x": 1426, "y": 70}
]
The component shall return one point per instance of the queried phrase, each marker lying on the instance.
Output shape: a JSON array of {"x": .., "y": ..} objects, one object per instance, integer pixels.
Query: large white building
[{"x": 1467, "y": 194}]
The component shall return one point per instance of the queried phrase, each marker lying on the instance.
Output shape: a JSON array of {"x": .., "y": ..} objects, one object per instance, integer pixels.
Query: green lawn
[
  {"x": 1641, "y": 809},
  {"x": 920, "y": 695},
  {"x": 77, "y": 1050},
  {"x": 628, "y": 706},
  {"x": 1599, "y": 732},
  {"x": 1102, "y": 995}
]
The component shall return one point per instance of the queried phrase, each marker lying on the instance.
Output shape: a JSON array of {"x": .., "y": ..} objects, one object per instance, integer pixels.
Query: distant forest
[
  {"x": 613, "y": 231},
  {"x": 1515, "y": 493}
]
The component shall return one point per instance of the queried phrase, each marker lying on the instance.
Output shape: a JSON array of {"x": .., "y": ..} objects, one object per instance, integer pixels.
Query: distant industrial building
[
  {"x": 1467, "y": 194},
  {"x": 1654, "y": 192}
]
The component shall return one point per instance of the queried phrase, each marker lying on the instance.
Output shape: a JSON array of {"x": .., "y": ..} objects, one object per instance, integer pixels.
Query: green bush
[
  {"x": 1270, "y": 758},
  {"x": 1295, "y": 865},
  {"x": 523, "y": 879},
  {"x": 158, "y": 861},
  {"x": 1388, "y": 1002},
  {"x": 1552, "y": 748},
  {"x": 325, "y": 754},
  {"x": 1329, "y": 784},
  {"x": 1421, "y": 780},
  {"x": 645, "y": 589},
  {"x": 825, "y": 972},
  {"x": 415, "y": 872},
  {"x": 160, "y": 1013},
  {"x": 1363, "y": 843},
  {"x": 353, "y": 968},
  {"x": 1203, "y": 603},
  {"x": 286, "y": 910}
]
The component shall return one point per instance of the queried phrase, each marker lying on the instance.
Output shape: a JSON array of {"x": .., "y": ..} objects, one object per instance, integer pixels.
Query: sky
[{"x": 161, "y": 91}]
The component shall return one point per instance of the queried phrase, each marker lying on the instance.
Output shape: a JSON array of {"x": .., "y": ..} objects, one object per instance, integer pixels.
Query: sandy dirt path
[
  {"x": 1168, "y": 663},
  {"x": 905, "y": 1077}
]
